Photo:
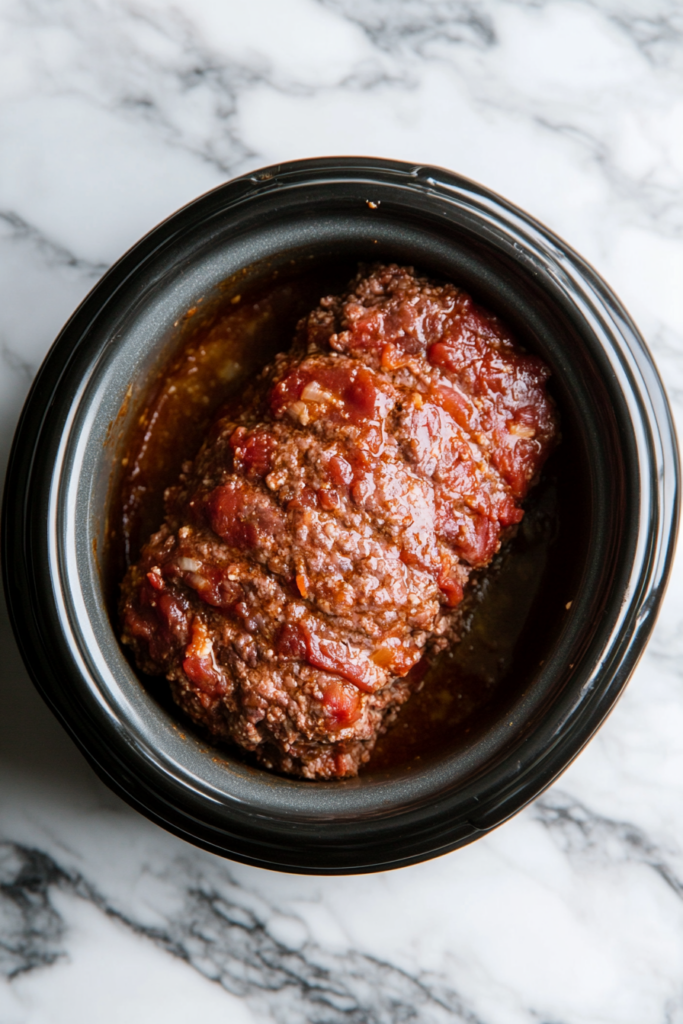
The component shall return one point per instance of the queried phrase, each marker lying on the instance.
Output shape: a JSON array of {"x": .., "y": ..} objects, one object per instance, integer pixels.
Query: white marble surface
[{"x": 112, "y": 114}]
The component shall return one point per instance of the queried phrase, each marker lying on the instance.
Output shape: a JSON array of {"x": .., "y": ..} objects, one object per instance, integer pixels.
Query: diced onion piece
[
  {"x": 315, "y": 392},
  {"x": 198, "y": 582},
  {"x": 521, "y": 429},
  {"x": 299, "y": 411},
  {"x": 189, "y": 564}
]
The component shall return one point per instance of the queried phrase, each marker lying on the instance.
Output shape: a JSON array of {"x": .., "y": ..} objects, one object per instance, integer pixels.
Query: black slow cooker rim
[{"x": 106, "y": 743}]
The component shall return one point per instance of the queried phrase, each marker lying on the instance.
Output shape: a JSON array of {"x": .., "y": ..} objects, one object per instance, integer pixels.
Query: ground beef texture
[{"x": 319, "y": 546}]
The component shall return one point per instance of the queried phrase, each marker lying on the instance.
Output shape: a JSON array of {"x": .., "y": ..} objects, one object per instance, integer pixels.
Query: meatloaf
[{"x": 319, "y": 546}]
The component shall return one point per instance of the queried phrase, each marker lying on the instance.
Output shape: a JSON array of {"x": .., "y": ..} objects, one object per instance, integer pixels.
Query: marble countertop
[{"x": 112, "y": 114}]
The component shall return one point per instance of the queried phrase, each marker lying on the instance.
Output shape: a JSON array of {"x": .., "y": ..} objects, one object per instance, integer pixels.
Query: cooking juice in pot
[{"x": 484, "y": 656}]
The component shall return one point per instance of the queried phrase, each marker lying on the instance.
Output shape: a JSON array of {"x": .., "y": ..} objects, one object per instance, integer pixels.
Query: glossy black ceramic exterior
[{"x": 612, "y": 404}]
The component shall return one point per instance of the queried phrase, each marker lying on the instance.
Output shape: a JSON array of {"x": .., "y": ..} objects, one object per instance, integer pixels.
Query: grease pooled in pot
[{"x": 330, "y": 540}]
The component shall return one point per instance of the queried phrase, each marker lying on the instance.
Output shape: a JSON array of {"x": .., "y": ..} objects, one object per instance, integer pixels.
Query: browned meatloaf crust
[{"x": 320, "y": 542}]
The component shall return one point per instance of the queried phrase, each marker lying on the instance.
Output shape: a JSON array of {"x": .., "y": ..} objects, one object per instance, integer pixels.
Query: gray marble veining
[{"x": 112, "y": 114}]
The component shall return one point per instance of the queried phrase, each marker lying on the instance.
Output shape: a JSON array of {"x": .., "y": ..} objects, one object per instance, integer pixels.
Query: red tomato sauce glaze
[{"x": 315, "y": 553}]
